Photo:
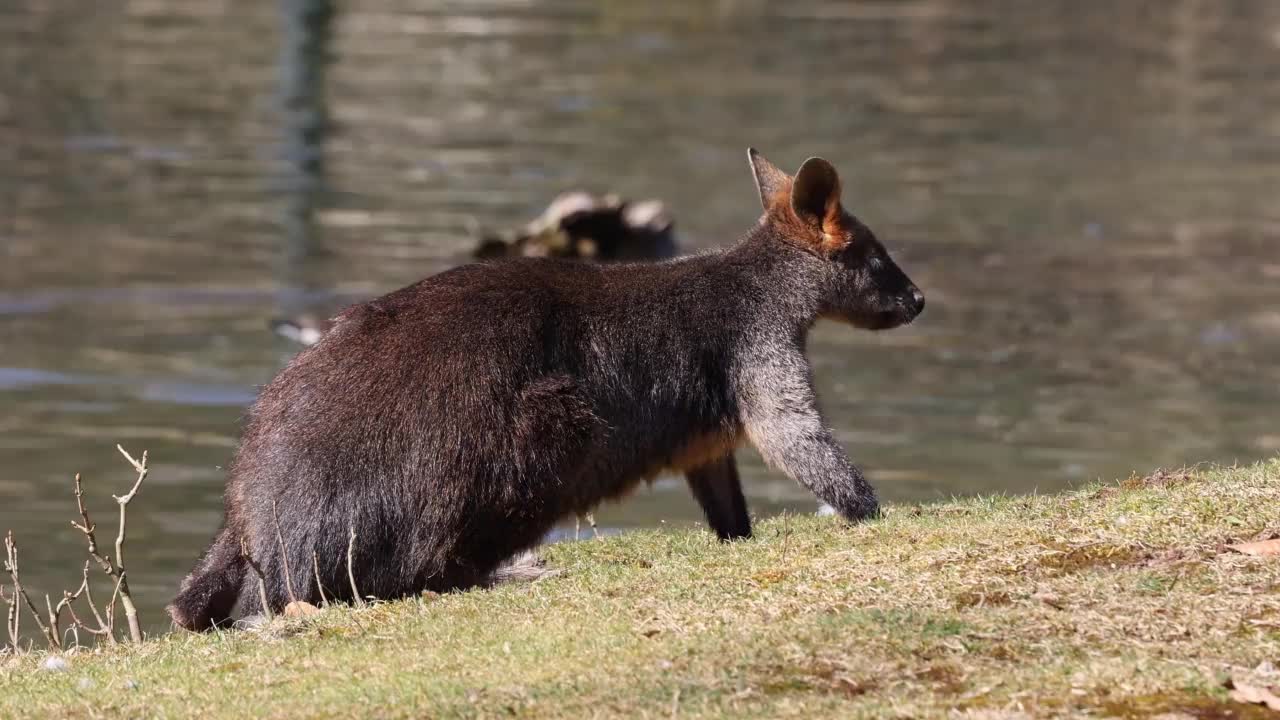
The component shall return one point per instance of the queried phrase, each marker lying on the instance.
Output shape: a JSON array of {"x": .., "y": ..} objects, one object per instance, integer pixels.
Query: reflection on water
[{"x": 1086, "y": 193}]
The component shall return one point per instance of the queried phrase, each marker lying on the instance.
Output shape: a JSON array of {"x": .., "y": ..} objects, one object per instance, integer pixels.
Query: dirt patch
[
  {"x": 943, "y": 677},
  {"x": 817, "y": 675},
  {"x": 1175, "y": 706},
  {"x": 1161, "y": 478},
  {"x": 1066, "y": 561},
  {"x": 981, "y": 598}
]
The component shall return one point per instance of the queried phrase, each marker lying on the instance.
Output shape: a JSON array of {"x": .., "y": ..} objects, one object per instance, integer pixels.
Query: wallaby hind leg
[{"x": 719, "y": 491}]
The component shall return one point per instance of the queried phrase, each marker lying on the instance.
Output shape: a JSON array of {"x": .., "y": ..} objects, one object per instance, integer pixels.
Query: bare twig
[
  {"x": 113, "y": 568},
  {"x": 55, "y": 627},
  {"x": 68, "y": 599},
  {"x": 591, "y": 521},
  {"x": 87, "y": 528},
  {"x": 111, "y": 606},
  {"x": 126, "y": 599},
  {"x": 55, "y": 613},
  {"x": 786, "y": 534},
  {"x": 11, "y": 564},
  {"x": 315, "y": 562},
  {"x": 351, "y": 544},
  {"x": 284, "y": 553},
  {"x": 104, "y": 626},
  {"x": 262, "y": 580},
  {"x": 10, "y": 616}
]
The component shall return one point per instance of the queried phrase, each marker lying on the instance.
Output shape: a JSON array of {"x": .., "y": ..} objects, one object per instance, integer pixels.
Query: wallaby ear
[
  {"x": 769, "y": 179},
  {"x": 815, "y": 194}
]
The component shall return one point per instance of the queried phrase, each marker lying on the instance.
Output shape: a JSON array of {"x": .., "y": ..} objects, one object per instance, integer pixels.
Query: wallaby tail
[{"x": 209, "y": 593}]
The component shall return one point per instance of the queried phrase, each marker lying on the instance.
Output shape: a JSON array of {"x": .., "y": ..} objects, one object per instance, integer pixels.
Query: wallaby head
[{"x": 861, "y": 284}]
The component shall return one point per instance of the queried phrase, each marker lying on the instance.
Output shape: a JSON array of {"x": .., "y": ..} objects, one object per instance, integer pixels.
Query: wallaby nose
[{"x": 918, "y": 298}]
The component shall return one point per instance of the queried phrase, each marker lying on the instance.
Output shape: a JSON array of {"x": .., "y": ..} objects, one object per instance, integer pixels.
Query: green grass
[{"x": 1115, "y": 600}]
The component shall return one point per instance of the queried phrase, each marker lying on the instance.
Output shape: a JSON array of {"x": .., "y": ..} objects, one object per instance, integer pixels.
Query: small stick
[
  {"x": 111, "y": 606},
  {"x": 11, "y": 564},
  {"x": 351, "y": 544},
  {"x": 55, "y": 612},
  {"x": 87, "y": 528},
  {"x": 284, "y": 553},
  {"x": 10, "y": 616},
  {"x": 591, "y": 521},
  {"x": 126, "y": 599},
  {"x": 786, "y": 534},
  {"x": 315, "y": 563},
  {"x": 55, "y": 631},
  {"x": 104, "y": 628},
  {"x": 76, "y": 623},
  {"x": 257, "y": 570}
]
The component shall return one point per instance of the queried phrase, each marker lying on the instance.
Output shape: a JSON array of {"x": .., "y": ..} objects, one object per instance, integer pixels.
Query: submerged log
[
  {"x": 582, "y": 226},
  {"x": 576, "y": 225}
]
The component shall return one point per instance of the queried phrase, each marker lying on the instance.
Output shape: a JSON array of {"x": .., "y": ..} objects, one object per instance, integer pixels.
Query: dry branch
[
  {"x": 591, "y": 520},
  {"x": 103, "y": 629},
  {"x": 11, "y": 618},
  {"x": 257, "y": 570},
  {"x": 113, "y": 568},
  {"x": 351, "y": 575},
  {"x": 315, "y": 562},
  {"x": 126, "y": 599},
  {"x": 11, "y": 565},
  {"x": 284, "y": 553}
]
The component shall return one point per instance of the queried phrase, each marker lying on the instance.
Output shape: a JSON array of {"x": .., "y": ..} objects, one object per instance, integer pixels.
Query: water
[{"x": 1087, "y": 195}]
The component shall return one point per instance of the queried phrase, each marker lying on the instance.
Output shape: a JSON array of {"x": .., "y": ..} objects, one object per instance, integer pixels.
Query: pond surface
[{"x": 1086, "y": 192}]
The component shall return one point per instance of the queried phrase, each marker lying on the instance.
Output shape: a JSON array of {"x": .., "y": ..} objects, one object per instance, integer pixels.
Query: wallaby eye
[{"x": 875, "y": 263}]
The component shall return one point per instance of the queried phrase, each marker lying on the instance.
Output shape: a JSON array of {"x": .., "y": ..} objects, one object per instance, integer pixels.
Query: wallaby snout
[{"x": 896, "y": 300}]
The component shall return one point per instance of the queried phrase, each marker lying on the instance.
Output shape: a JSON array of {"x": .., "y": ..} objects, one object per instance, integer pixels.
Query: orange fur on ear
[
  {"x": 815, "y": 200},
  {"x": 805, "y": 208}
]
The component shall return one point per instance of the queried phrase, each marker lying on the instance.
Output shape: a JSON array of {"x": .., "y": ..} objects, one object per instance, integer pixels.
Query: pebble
[{"x": 55, "y": 663}]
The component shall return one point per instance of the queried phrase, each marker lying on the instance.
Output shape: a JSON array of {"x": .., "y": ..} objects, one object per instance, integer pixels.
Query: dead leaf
[
  {"x": 1262, "y": 547},
  {"x": 300, "y": 608},
  {"x": 1253, "y": 695},
  {"x": 1051, "y": 600}
]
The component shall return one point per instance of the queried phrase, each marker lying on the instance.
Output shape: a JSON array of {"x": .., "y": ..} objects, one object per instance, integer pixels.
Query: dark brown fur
[{"x": 451, "y": 423}]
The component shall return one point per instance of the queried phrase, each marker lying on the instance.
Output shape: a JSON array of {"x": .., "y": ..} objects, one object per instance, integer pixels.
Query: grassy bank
[{"x": 1117, "y": 600}]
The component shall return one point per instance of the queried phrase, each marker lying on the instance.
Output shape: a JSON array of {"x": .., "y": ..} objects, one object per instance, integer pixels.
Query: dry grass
[{"x": 1119, "y": 601}]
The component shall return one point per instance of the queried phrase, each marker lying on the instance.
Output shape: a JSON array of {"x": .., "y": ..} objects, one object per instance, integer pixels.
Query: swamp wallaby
[{"x": 452, "y": 423}]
